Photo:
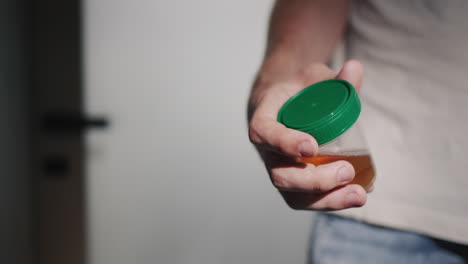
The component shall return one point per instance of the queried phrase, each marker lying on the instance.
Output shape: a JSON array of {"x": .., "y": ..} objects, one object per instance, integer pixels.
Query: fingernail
[
  {"x": 351, "y": 199},
  {"x": 344, "y": 174},
  {"x": 307, "y": 149}
]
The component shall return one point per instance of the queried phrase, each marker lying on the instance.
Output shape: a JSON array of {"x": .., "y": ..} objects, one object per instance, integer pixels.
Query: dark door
[{"x": 57, "y": 151}]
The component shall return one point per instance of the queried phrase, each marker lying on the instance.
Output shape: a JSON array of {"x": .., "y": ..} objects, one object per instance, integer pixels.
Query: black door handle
[{"x": 71, "y": 122}]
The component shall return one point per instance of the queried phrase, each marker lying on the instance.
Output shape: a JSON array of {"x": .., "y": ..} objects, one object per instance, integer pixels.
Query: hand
[{"x": 303, "y": 186}]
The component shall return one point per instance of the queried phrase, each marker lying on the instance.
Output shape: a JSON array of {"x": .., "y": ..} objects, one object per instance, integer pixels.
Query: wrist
[
  {"x": 286, "y": 64},
  {"x": 285, "y": 77},
  {"x": 279, "y": 65}
]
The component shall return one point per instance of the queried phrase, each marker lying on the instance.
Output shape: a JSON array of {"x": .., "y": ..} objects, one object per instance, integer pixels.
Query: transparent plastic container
[
  {"x": 350, "y": 146},
  {"x": 328, "y": 111}
]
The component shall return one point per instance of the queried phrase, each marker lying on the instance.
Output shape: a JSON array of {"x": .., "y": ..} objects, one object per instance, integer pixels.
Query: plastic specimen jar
[{"x": 328, "y": 111}]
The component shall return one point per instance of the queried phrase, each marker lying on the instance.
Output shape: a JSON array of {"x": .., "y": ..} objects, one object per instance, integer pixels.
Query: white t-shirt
[{"x": 415, "y": 112}]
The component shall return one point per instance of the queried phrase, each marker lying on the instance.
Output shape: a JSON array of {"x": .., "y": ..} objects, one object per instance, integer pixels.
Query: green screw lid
[{"x": 324, "y": 110}]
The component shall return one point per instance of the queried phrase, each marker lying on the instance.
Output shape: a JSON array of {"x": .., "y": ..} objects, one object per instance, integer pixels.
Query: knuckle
[
  {"x": 360, "y": 194},
  {"x": 322, "y": 185},
  {"x": 289, "y": 143},
  {"x": 285, "y": 145},
  {"x": 254, "y": 133},
  {"x": 357, "y": 189},
  {"x": 320, "y": 182},
  {"x": 279, "y": 181}
]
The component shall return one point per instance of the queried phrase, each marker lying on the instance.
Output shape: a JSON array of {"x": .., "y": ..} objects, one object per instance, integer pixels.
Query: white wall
[{"x": 175, "y": 180}]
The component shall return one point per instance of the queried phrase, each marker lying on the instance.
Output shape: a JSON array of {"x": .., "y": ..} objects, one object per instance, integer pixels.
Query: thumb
[{"x": 352, "y": 72}]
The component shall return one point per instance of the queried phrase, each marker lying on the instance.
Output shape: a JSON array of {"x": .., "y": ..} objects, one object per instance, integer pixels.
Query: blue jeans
[{"x": 337, "y": 240}]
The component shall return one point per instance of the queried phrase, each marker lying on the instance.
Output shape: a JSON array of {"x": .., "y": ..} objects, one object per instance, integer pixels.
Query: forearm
[{"x": 303, "y": 32}]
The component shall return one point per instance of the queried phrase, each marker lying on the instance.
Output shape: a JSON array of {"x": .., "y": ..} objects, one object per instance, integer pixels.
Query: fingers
[
  {"x": 267, "y": 133},
  {"x": 352, "y": 72},
  {"x": 348, "y": 196},
  {"x": 309, "y": 178},
  {"x": 325, "y": 187}
]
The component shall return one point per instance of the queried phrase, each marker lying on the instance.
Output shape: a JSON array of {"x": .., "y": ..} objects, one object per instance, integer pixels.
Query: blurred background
[{"x": 124, "y": 139}]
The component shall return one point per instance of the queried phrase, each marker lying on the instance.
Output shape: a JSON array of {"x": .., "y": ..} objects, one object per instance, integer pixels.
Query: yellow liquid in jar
[{"x": 365, "y": 172}]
